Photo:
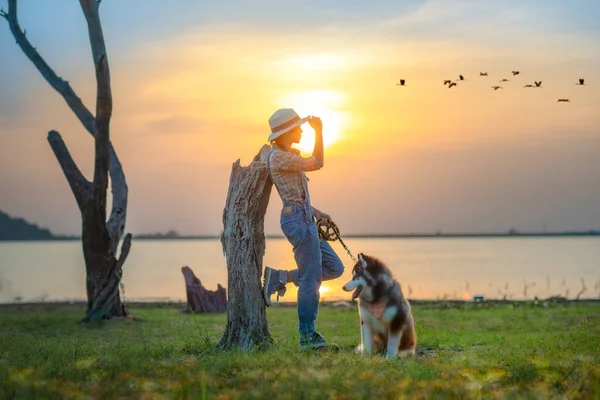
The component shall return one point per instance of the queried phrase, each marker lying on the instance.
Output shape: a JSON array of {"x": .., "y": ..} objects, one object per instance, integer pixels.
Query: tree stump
[
  {"x": 200, "y": 299},
  {"x": 243, "y": 241}
]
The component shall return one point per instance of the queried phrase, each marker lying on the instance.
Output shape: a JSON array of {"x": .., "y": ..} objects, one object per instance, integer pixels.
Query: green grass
[{"x": 500, "y": 351}]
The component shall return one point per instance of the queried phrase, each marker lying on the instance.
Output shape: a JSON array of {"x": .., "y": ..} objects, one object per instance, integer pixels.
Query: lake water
[{"x": 429, "y": 268}]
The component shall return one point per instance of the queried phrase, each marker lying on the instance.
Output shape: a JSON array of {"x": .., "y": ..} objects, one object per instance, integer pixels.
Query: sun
[
  {"x": 324, "y": 289},
  {"x": 325, "y": 104}
]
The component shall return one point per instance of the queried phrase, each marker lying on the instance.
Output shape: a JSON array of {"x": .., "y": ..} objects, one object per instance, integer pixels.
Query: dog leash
[{"x": 333, "y": 235}]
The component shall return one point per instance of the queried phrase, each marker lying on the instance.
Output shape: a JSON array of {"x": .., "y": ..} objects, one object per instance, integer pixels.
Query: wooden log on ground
[{"x": 200, "y": 299}]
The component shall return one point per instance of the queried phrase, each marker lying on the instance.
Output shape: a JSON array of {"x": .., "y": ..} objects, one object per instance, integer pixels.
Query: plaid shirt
[{"x": 287, "y": 170}]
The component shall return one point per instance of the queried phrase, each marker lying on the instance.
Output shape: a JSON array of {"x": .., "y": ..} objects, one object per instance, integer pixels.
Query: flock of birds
[{"x": 536, "y": 84}]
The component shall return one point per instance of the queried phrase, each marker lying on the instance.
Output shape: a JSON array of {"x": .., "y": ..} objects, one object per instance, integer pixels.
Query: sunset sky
[{"x": 195, "y": 83}]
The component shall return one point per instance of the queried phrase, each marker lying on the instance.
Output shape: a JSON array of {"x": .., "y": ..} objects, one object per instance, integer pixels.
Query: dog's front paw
[
  {"x": 363, "y": 351},
  {"x": 406, "y": 353}
]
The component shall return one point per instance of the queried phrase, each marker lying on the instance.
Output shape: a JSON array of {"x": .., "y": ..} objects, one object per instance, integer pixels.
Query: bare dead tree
[
  {"x": 243, "y": 241},
  {"x": 526, "y": 287},
  {"x": 100, "y": 238},
  {"x": 505, "y": 295},
  {"x": 583, "y": 289}
]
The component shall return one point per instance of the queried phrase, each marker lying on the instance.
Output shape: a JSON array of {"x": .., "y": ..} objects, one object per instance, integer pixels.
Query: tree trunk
[
  {"x": 243, "y": 241},
  {"x": 200, "y": 299},
  {"x": 104, "y": 272},
  {"x": 100, "y": 238},
  {"x": 103, "y": 269}
]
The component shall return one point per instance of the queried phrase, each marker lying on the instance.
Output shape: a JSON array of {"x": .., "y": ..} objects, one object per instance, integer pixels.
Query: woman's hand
[
  {"x": 323, "y": 218},
  {"x": 315, "y": 123}
]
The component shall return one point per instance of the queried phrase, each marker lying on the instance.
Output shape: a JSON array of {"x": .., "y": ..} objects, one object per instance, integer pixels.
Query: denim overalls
[{"x": 315, "y": 258}]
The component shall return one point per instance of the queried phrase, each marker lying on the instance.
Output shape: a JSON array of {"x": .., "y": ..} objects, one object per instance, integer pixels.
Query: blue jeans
[{"x": 316, "y": 262}]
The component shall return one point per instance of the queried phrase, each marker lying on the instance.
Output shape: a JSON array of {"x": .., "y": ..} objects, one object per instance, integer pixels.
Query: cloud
[
  {"x": 174, "y": 125},
  {"x": 491, "y": 28},
  {"x": 193, "y": 126}
]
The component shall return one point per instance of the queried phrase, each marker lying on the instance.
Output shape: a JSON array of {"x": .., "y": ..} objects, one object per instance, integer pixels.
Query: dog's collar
[{"x": 376, "y": 308}]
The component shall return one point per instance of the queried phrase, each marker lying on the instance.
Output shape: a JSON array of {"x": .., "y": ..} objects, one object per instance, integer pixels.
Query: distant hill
[{"x": 19, "y": 229}]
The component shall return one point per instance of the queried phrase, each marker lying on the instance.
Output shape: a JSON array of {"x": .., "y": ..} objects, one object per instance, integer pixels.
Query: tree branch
[
  {"x": 124, "y": 252},
  {"x": 61, "y": 86},
  {"x": 118, "y": 215},
  {"x": 116, "y": 222},
  {"x": 80, "y": 186},
  {"x": 103, "y": 102}
]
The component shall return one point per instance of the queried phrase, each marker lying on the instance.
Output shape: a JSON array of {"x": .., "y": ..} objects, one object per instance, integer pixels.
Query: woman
[{"x": 315, "y": 259}]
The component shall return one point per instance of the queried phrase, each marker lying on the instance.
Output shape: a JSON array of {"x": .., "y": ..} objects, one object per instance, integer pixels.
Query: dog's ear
[{"x": 363, "y": 263}]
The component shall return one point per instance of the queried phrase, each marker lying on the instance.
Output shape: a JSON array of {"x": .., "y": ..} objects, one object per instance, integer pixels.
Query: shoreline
[
  {"x": 80, "y": 304},
  {"x": 590, "y": 233}
]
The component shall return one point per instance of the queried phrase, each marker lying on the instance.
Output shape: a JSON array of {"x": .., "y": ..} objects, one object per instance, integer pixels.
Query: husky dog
[{"x": 385, "y": 317}]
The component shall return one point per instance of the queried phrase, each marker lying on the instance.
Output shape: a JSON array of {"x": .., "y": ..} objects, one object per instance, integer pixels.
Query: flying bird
[
  {"x": 528, "y": 86},
  {"x": 515, "y": 72},
  {"x": 496, "y": 87},
  {"x": 483, "y": 74},
  {"x": 581, "y": 82},
  {"x": 563, "y": 101},
  {"x": 504, "y": 80},
  {"x": 447, "y": 82},
  {"x": 451, "y": 84},
  {"x": 461, "y": 78},
  {"x": 402, "y": 81},
  {"x": 538, "y": 84}
]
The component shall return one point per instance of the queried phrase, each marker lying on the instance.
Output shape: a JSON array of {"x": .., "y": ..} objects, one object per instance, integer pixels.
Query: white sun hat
[{"x": 284, "y": 120}]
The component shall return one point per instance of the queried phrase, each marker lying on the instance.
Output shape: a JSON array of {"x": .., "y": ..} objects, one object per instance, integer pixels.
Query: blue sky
[{"x": 185, "y": 77}]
